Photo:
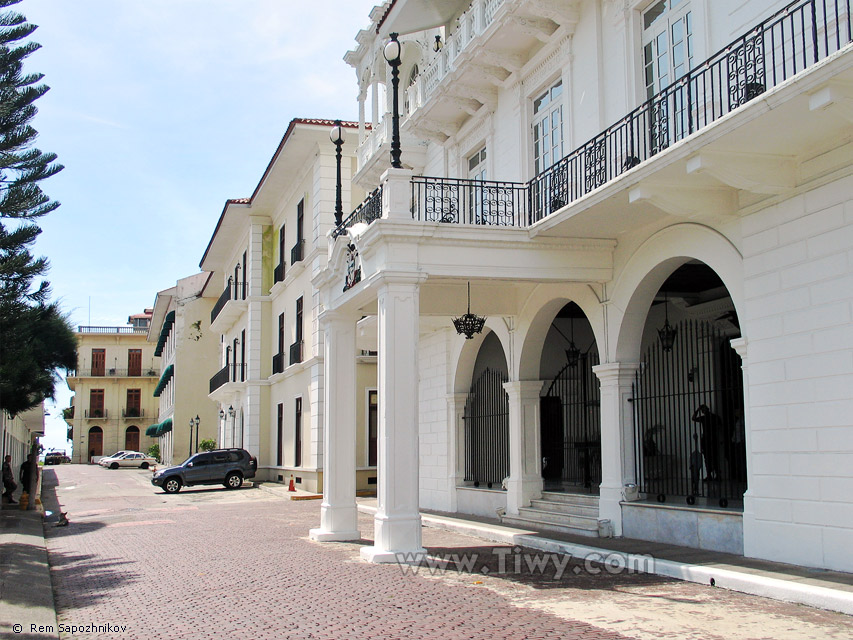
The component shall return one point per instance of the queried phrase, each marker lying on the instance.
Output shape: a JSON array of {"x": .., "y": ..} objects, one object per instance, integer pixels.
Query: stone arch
[
  {"x": 650, "y": 265},
  {"x": 465, "y": 353},
  {"x": 131, "y": 438},
  {"x": 537, "y": 315}
]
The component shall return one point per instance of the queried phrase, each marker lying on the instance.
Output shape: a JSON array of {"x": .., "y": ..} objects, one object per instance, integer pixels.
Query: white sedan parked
[
  {"x": 105, "y": 461},
  {"x": 133, "y": 459}
]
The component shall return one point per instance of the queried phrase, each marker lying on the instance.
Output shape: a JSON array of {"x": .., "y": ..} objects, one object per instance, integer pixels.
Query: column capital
[
  {"x": 525, "y": 389},
  {"x": 739, "y": 345},
  {"x": 392, "y": 279},
  {"x": 329, "y": 316},
  {"x": 616, "y": 372}
]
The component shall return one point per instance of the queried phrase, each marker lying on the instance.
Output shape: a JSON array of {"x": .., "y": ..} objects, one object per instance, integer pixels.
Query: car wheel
[
  {"x": 144, "y": 465},
  {"x": 172, "y": 485},
  {"x": 114, "y": 465},
  {"x": 233, "y": 481}
]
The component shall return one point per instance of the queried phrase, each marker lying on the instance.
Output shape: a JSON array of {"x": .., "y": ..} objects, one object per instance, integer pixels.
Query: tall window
[
  {"x": 281, "y": 249},
  {"x": 134, "y": 403},
  {"x": 372, "y": 427},
  {"x": 96, "y": 403},
  {"x": 134, "y": 362},
  {"x": 297, "y": 425},
  {"x": 280, "y": 434},
  {"x": 667, "y": 43},
  {"x": 243, "y": 355},
  {"x": 548, "y": 128},
  {"x": 299, "y": 319},
  {"x": 281, "y": 333},
  {"x": 99, "y": 359},
  {"x": 300, "y": 218}
]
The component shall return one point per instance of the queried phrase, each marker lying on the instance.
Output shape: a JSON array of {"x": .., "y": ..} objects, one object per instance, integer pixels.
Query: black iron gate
[
  {"x": 688, "y": 418},
  {"x": 487, "y": 430},
  {"x": 571, "y": 427}
]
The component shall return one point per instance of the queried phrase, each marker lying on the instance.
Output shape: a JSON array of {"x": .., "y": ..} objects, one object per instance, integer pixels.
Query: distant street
[{"x": 211, "y": 563}]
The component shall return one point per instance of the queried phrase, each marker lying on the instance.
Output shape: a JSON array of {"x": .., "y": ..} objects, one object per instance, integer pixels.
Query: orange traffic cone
[{"x": 292, "y": 486}]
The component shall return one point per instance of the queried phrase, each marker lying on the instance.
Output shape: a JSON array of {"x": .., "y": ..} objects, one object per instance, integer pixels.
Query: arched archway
[
  {"x": 570, "y": 416},
  {"x": 96, "y": 442},
  {"x": 486, "y": 417},
  {"x": 131, "y": 438},
  {"x": 687, "y": 396}
]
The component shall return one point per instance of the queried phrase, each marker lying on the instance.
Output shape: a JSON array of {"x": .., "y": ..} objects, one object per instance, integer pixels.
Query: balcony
[
  {"x": 230, "y": 305},
  {"x": 232, "y": 372},
  {"x": 771, "y": 53},
  {"x": 296, "y": 352},
  {"x": 369, "y": 210},
  {"x": 277, "y": 363},
  {"x": 96, "y": 414},
  {"x": 132, "y": 412},
  {"x": 114, "y": 373},
  {"x": 278, "y": 273},
  {"x": 297, "y": 253},
  {"x": 113, "y": 330}
]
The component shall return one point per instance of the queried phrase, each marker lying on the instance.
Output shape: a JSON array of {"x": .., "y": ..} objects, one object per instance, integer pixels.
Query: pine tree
[{"x": 35, "y": 337}]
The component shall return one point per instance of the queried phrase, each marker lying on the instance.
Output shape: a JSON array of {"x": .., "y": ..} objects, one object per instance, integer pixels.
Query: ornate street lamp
[
  {"x": 222, "y": 425},
  {"x": 233, "y": 414},
  {"x": 469, "y": 324},
  {"x": 191, "y": 438},
  {"x": 197, "y": 421},
  {"x": 437, "y": 45},
  {"x": 667, "y": 332},
  {"x": 392, "y": 53},
  {"x": 337, "y": 137}
]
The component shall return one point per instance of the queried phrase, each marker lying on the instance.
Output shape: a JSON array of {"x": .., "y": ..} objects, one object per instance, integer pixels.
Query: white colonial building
[
  {"x": 263, "y": 255},
  {"x": 651, "y": 202}
]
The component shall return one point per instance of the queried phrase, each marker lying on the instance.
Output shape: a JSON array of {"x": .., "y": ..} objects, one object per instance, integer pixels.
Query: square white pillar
[
  {"x": 617, "y": 438},
  {"x": 397, "y": 521},
  {"x": 525, "y": 474},
  {"x": 338, "y": 513}
]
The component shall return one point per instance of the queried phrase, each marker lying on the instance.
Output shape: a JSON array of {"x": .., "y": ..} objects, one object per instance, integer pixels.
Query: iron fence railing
[
  {"x": 278, "y": 363},
  {"x": 296, "y": 352},
  {"x": 96, "y": 414},
  {"x": 369, "y": 210},
  {"x": 232, "y": 372},
  {"x": 484, "y": 202},
  {"x": 278, "y": 273},
  {"x": 790, "y": 41},
  {"x": 233, "y": 291},
  {"x": 297, "y": 253},
  {"x": 133, "y": 412}
]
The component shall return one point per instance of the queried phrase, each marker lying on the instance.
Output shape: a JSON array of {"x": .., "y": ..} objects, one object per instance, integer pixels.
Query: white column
[
  {"x": 397, "y": 521},
  {"x": 338, "y": 514},
  {"x": 525, "y": 474},
  {"x": 617, "y": 438}
]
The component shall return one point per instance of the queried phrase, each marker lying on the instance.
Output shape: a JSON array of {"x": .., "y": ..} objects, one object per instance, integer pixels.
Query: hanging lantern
[
  {"x": 573, "y": 354},
  {"x": 667, "y": 332},
  {"x": 469, "y": 324}
]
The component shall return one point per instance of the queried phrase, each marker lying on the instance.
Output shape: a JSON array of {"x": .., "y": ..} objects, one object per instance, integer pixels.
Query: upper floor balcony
[
  {"x": 765, "y": 67},
  {"x": 230, "y": 306},
  {"x": 230, "y": 373},
  {"x": 113, "y": 330}
]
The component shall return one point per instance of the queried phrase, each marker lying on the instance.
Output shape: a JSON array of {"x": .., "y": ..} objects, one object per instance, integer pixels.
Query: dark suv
[{"x": 222, "y": 466}]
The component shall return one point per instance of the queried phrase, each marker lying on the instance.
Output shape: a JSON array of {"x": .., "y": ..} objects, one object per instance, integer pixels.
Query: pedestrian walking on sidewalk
[
  {"x": 9, "y": 484},
  {"x": 30, "y": 478}
]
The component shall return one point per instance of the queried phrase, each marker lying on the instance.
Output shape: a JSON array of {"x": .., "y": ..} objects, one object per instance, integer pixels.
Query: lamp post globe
[
  {"x": 392, "y": 53},
  {"x": 336, "y": 135}
]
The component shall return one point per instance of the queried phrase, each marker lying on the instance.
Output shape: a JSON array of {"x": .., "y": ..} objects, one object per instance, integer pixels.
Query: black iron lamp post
[
  {"x": 392, "y": 53},
  {"x": 196, "y": 421},
  {"x": 222, "y": 424},
  {"x": 337, "y": 137},
  {"x": 191, "y": 438}
]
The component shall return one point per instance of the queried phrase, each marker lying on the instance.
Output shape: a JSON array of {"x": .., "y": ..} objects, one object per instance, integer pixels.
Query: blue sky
[{"x": 160, "y": 111}]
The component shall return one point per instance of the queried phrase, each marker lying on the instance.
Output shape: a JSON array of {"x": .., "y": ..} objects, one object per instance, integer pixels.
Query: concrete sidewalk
[
  {"x": 26, "y": 592},
  {"x": 831, "y": 590}
]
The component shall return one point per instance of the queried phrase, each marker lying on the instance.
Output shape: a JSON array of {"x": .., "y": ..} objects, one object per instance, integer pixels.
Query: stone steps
[{"x": 571, "y": 513}]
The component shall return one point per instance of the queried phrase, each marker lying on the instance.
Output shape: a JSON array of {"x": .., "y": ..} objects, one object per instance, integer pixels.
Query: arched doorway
[
  {"x": 570, "y": 406},
  {"x": 131, "y": 438},
  {"x": 687, "y": 396},
  {"x": 96, "y": 442},
  {"x": 486, "y": 418}
]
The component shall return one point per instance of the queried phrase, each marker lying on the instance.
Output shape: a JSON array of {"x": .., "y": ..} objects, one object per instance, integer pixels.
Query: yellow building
[{"x": 117, "y": 372}]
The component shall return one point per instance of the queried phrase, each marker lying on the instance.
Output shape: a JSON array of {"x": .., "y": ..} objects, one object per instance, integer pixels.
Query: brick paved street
[{"x": 209, "y": 563}]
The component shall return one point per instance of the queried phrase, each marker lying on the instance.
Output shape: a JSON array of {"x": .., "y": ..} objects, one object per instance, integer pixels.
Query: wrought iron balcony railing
[
  {"x": 233, "y": 372},
  {"x": 278, "y": 273},
  {"x": 114, "y": 373},
  {"x": 486, "y": 202},
  {"x": 782, "y": 46},
  {"x": 133, "y": 412},
  {"x": 96, "y": 414},
  {"x": 296, "y": 352},
  {"x": 369, "y": 210},
  {"x": 278, "y": 363},
  {"x": 297, "y": 253},
  {"x": 233, "y": 291}
]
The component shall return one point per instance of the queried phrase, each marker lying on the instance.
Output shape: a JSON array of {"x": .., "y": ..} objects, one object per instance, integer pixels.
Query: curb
[{"x": 723, "y": 577}]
